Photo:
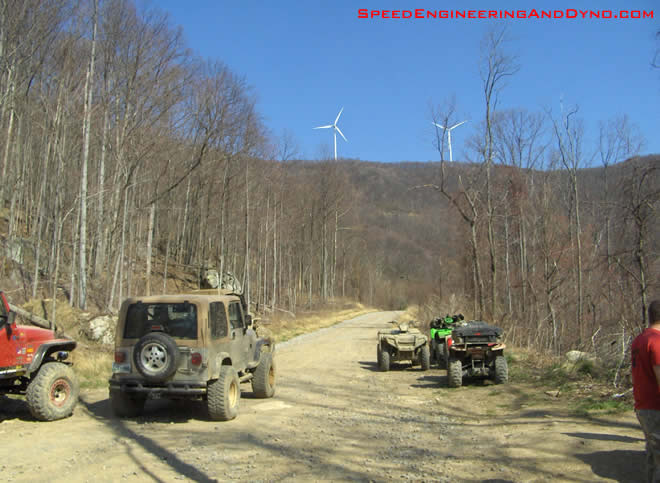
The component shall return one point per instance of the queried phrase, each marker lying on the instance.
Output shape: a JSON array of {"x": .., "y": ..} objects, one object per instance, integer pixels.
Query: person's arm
[{"x": 656, "y": 370}]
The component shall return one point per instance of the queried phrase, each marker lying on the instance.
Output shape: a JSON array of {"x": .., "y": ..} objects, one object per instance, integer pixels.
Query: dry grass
[{"x": 93, "y": 365}]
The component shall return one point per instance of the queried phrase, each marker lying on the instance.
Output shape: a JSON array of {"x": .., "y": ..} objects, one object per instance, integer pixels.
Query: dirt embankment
[{"x": 334, "y": 416}]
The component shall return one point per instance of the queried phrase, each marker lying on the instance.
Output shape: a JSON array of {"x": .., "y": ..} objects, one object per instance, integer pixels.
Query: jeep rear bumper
[{"x": 130, "y": 386}]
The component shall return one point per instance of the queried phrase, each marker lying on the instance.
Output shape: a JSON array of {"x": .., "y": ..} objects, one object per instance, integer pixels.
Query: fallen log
[{"x": 34, "y": 319}]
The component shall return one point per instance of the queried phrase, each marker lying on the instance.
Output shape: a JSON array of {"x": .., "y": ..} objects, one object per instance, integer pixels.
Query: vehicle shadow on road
[
  {"x": 369, "y": 366},
  {"x": 606, "y": 437},
  {"x": 155, "y": 411},
  {"x": 101, "y": 412},
  {"x": 619, "y": 465},
  {"x": 431, "y": 381},
  {"x": 395, "y": 366},
  {"x": 11, "y": 409}
]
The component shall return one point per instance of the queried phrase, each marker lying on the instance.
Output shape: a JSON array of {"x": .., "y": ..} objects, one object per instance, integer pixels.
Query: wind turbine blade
[
  {"x": 323, "y": 127},
  {"x": 342, "y": 134},
  {"x": 342, "y": 110},
  {"x": 438, "y": 125},
  {"x": 456, "y": 125}
]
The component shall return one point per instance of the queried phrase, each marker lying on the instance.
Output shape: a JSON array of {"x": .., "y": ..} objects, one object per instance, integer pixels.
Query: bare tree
[
  {"x": 519, "y": 143},
  {"x": 464, "y": 201},
  {"x": 642, "y": 194},
  {"x": 89, "y": 90},
  {"x": 569, "y": 133},
  {"x": 496, "y": 66}
]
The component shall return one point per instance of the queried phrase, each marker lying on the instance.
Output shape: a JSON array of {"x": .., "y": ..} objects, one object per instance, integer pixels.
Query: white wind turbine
[
  {"x": 336, "y": 130},
  {"x": 449, "y": 134}
]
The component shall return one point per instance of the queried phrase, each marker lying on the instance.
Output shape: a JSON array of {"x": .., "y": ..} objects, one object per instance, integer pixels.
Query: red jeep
[{"x": 32, "y": 363}]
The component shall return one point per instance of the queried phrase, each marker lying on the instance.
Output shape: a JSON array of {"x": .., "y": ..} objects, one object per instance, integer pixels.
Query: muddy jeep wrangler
[
  {"x": 199, "y": 345},
  {"x": 404, "y": 343}
]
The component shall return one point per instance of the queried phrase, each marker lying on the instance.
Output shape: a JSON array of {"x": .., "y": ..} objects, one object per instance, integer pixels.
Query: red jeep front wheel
[{"x": 53, "y": 393}]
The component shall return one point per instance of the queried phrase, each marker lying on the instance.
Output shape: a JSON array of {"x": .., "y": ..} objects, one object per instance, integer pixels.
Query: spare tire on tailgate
[{"x": 156, "y": 356}]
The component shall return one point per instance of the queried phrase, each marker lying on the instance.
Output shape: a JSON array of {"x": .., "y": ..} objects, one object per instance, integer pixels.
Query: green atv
[{"x": 441, "y": 328}]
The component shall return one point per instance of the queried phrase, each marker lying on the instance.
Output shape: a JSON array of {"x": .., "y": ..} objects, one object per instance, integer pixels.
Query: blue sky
[{"x": 305, "y": 60}]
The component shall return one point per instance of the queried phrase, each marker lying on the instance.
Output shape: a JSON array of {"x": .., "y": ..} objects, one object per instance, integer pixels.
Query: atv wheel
[
  {"x": 425, "y": 357},
  {"x": 383, "y": 360},
  {"x": 125, "y": 406},
  {"x": 263, "y": 382},
  {"x": 455, "y": 373},
  {"x": 501, "y": 370},
  {"x": 223, "y": 395},
  {"x": 156, "y": 356},
  {"x": 443, "y": 357},
  {"x": 53, "y": 393}
]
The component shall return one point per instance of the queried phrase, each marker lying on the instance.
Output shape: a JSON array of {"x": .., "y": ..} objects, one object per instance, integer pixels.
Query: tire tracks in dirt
[{"x": 334, "y": 417}]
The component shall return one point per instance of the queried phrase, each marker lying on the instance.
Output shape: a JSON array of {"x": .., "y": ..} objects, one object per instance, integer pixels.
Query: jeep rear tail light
[
  {"x": 120, "y": 357},
  {"x": 196, "y": 359},
  {"x": 449, "y": 341}
]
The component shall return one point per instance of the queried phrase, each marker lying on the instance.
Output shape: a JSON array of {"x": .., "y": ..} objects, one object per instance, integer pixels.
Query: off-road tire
[
  {"x": 455, "y": 373},
  {"x": 263, "y": 381},
  {"x": 53, "y": 393},
  {"x": 383, "y": 360},
  {"x": 501, "y": 370},
  {"x": 425, "y": 357},
  {"x": 156, "y": 356},
  {"x": 445, "y": 354},
  {"x": 434, "y": 359},
  {"x": 223, "y": 395},
  {"x": 126, "y": 406},
  {"x": 443, "y": 357}
]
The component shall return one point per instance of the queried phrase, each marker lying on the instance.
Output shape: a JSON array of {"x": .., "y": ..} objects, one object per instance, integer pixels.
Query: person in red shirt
[{"x": 645, "y": 353}]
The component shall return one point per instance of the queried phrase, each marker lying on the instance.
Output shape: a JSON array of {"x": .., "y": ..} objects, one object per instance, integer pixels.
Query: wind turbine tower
[
  {"x": 449, "y": 129},
  {"x": 335, "y": 130}
]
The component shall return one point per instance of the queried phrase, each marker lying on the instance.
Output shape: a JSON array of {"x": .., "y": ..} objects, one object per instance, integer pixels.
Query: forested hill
[{"x": 129, "y": 165}]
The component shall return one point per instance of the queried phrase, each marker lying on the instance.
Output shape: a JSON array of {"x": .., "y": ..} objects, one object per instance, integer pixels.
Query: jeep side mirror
[{"x": 7, "y": 316}]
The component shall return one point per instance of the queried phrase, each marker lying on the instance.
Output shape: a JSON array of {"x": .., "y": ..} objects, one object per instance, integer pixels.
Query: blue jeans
[{"x": 649, "y": 419}]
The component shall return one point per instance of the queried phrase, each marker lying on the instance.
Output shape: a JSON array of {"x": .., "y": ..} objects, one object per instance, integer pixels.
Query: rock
[
  {"x": 552, "y": 393},
  {"x": 575, "y": 356},
  {"x": 210, "y": 278},
  {"x": 102, "y": 329}
]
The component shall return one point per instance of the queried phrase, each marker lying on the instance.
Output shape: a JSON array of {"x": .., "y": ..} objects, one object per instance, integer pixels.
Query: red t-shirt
[{"x": 646, "y": 354}]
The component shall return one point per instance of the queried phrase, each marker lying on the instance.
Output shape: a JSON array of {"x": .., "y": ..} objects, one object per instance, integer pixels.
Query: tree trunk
[
  {"x": 275, "y": 266},
  {"x": 99, "y": 252},
  {"x": 89, "y": 91},
  {"x": 246, "y": 270},
  {"x": 150, "y": 239},
  {"x": 477, "y": 271},
  {"x": 167, "y": 259}
]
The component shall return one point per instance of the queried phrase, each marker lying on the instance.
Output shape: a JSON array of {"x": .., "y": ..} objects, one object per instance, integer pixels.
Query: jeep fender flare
[
  {"x": 221, "y": 359},
  {"x": 47, "y": 348},
  {"x": 259, "y": 345}
]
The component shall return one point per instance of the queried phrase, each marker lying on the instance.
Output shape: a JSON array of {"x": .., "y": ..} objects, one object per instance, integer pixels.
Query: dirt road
[{"x": 334, "y": 417}]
